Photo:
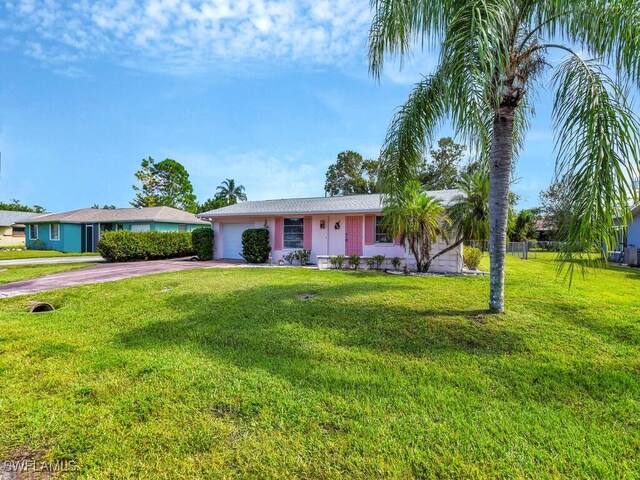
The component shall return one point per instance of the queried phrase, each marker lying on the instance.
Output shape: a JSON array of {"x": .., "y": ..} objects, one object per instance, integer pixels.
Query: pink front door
[{"x": 353, "y": 236}]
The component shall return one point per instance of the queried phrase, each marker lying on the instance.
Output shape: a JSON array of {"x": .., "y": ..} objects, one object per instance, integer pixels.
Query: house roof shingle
[
  {"x": 371, "y": 203},
  {"x": 95, "y": 215},
  {"x": 10, "y": 217}
]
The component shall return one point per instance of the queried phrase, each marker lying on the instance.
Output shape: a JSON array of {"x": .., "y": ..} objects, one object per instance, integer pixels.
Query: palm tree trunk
[{"x": 500, "y": 159}]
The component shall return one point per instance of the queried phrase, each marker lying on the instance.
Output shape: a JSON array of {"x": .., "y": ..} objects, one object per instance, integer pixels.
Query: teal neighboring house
[{"x": 80, "y": 230}]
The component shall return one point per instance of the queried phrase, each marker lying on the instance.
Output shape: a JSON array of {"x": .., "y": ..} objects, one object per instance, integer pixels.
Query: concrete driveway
[{"x": 106, "y": 272}]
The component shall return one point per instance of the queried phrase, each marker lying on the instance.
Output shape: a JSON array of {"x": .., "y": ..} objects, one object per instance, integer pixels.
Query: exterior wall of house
[
  {"x": 330, "y": 241},
  {"x": 158, "y": 227},
  {"x": 172, "y": 227},
  {"x": 7, "y": 238},
  {"x": 633, "y": 232},
  {"x": 70, "y": 237},
  {"x": 258, "y": 222}
]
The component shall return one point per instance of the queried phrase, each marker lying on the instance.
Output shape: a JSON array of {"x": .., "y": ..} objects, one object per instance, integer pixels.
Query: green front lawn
[
  {"x": 18, "y": 254},
  {"x": 15, "y": 273},
  {"x": 228, "y": 372}
]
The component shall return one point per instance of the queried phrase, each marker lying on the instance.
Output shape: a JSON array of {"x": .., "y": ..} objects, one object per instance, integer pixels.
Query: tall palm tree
[
  {"x": 418, "y": 220},
  {"x": 230, "y": 192},
  {"x": 492, "y": 59}
]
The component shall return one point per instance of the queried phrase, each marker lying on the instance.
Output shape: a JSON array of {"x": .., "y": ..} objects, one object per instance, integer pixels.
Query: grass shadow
[{"x": 273, "y": 328}]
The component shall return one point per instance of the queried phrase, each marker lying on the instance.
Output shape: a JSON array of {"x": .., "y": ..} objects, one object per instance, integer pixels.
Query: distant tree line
[
  {"x": 444, "y": 168},
  {"x": 15, "y": 206},
  {"x": 167, "y": 183},
  {"x": 351, "y": 174}
]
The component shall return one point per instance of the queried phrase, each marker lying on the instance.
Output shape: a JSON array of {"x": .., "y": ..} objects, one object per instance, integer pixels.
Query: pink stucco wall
[{"x": 331, "y": 240}]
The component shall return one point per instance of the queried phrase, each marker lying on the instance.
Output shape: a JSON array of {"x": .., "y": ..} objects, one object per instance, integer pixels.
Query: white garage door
[{"x": 232, "y": 238}]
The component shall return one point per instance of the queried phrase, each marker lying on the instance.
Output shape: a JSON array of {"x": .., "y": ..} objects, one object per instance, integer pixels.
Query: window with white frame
[
  {"x": 110, "y": 227},
  {"x": 293, "y": 232},
  {"x": 54, "y": 231},
  {"x": 33, "y": 232},
  {"x": 381, "y": 233}
]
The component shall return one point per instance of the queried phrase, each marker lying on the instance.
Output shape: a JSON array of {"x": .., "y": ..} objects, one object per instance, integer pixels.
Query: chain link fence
[{"x": 524, "y": 250}]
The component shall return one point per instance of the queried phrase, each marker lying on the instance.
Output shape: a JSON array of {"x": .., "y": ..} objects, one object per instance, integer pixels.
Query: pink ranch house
[{"x": 327, "y": 226}]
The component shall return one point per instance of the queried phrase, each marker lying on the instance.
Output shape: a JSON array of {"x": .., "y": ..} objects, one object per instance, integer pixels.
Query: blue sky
[{"x": 263, "y": 92}]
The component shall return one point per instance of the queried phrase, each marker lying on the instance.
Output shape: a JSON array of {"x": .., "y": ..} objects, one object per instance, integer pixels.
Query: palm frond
[
  {"x": 469, "y": 212},
  {"x": 398, "y": 24},
  {"x": 476, "y": 43},
  {"x": 412, "y": 127},
  {"x": 419, "y": 220},
  {"x": 597, "y": 141},
  {"x": 477, "y": 58},
  {"x": 607, "y": 29}
]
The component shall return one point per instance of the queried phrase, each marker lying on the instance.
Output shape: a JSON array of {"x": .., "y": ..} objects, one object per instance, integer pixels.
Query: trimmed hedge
[
  {"x": 125, "y": 246},
  {"x": 255, "y": 245},
  {"x": 202, "y": 240}
]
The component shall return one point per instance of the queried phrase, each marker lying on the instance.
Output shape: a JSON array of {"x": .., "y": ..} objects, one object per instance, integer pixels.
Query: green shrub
[
  {"x": 125, "y": 245},
  {"x": 379, "y": 260},
  {"x": 354, "y": 261},
  {"x": 396, "y": 262},
  {"x": 371, "y": 263},
  {"x": 37, "y": 244},
  {"x": 289, "y": 258},
  {"x": 337, "y": 261},
  {"x": 472, "y": 257},
  {"x": 300, "y": 256},
  {"x": 202, "y": 240},
  {"x": 255, "y": 245}
]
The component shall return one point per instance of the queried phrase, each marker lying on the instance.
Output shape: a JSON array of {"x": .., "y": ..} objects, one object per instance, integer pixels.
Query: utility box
[{"x": 631, "y": 256}]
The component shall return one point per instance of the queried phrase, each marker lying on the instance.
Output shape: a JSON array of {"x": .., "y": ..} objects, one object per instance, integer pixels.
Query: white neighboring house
[
  {"x": 12, "y": 228},
  {"x": 327, "y": 226}
]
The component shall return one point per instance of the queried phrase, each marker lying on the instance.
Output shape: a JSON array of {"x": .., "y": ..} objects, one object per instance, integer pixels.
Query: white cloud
[
  {"x": 412, "y": 69},
  {"x": 264, "y": 175},
  {"x": 179, "y": 36}
]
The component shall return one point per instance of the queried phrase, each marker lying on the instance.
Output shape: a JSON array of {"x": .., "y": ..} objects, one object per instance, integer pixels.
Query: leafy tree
[
  {"x": 165, "y": 183},
  {"x": 418, "y": 219},
  {"x": 16, "y": 206},
  {"x": 212, "y": 204},
  {"x": 555, "y": 206},
  {"x": 104, "y": 207},
  {"x": 229, "y": 192},
  {"x": 492, "y": 57},
  {"x": 351, "y": 175},
  {"x": 524, "y": 226},
  {"x": 443, "y": 171},
  {"x": 474, "y": 166}
]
